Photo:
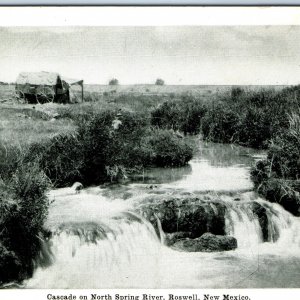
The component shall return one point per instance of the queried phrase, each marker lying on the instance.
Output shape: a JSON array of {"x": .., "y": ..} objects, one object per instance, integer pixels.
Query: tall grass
[
  {"x": 277, "y": 177},
  {"x": 250, "y": 118},
  {"x": 184, "y": 114},
  {"x": 23, "y": 211}
]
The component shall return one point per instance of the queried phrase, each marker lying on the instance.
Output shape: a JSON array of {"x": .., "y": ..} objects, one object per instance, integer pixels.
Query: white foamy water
[{"x": 113, "y": 248}]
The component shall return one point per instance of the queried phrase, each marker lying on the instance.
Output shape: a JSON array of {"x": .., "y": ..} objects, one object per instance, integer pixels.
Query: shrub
[
  {"x": 254, "y": 129},
  {"x": 220, "y": 124},
  {"x": 277, "y": 177},
  {"x": 106, "y": 149},
  {"x": 28, "y": 185},
  {"x": 10, "y": 157},
  {"x": 10, "y": 263},
  {"x": 61, "y": 158},
  {"x": 23, "y": 210},
  {"x": 113, "y": 81},
  {"x": 183, "y": 114},
  {"x": 167, "y": 149},
  {"x": 159, "y": 81},
  {"x": 236, "y": 92}
]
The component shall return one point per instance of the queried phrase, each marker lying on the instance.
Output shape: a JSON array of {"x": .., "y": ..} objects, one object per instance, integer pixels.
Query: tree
[
  {"x": 113, "y": 81},
  {"x": 159, "y": 81}
]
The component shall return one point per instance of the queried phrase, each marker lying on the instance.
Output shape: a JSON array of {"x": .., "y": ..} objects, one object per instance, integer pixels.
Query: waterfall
[
  {"x": 97, "y": 243},
  {"x": 92, "y": 255},
  {"x": 280, "y": 227}
]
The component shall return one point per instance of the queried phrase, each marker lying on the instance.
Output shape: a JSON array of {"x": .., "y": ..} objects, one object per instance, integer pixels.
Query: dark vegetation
[
  {"x": 159, "y": 81},
  {"x": 249, "y": 118},
  {"x": 113, "y": 81},
  {"x": 184, "y": 114},
  {"x": 23, "y": 209},
  {"x": 246, "y": 117},
  {"x": 277, "y": 177}
]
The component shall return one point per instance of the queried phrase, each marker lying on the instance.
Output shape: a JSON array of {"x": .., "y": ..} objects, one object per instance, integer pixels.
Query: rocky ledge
[{"x": 208, "y": 242}]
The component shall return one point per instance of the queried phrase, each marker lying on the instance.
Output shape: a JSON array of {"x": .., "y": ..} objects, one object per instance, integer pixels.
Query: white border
[
  {"x": 148, "y": 16},
  {"x": 77, "y": 294}
]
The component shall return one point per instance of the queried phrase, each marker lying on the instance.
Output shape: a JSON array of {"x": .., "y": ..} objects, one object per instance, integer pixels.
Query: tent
[{"x": 41, "y": 87}]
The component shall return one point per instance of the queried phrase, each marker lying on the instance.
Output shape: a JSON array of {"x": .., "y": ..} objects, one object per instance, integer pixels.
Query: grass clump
[
  {"x": 23, "y": 211},
  {"x": 167, "y": 149},
  {"x": 60, "y": 158},
  {"x": 277, "y": 177},
  {"x": 182, "y": 114},
  {"x": 220, "y": 124}
]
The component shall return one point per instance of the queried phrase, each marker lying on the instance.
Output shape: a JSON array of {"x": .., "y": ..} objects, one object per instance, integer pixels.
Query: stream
[{"x": 100, "y": 241}]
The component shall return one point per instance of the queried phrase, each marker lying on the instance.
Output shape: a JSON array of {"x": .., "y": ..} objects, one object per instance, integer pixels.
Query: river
[{"x": 99, "y": 241}]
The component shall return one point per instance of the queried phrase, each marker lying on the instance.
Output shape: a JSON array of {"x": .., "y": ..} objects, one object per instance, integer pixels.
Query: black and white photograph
[{"x": 153, "y": 157}]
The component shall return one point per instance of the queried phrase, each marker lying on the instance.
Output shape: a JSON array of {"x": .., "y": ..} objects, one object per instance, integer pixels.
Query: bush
[
  {"x": 10, "y": 157},
  {"x": 113, "y": 81},
  {"x": 61, "y": 158},
  {"x": 220, "y": 124},
  {"x": 167, "y": 149},
  {"x": 23, "y": 210},
  {"x": 106, "y": 149},
  {"x": 10, "y": 263},
  {"x": 277, "y": 177},
  {"x": 236, "y": 92},
  {"x": 28, "y": 185},
  {"x": 100, "y": 152},
  {"x": 159, "y": 81},
  {"x": 183, "y": 114},
  {"x": 254, "y": 129}
]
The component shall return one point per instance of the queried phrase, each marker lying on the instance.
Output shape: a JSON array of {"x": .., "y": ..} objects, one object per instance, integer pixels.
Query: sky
[{"x": 138, "y": 55}]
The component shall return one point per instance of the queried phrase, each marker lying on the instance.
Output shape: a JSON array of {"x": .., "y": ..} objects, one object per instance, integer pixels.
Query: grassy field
[{"x": 22, "y": 124}]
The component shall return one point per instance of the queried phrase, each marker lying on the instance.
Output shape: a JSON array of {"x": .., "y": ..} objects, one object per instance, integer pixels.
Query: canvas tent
[{"x": 43, "y": 87}]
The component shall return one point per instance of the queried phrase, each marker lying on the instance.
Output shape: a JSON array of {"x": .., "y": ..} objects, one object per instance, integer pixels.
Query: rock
[
  {"x": 172, "y": 238},
  {"x": 208, "y": 242},
  {"x": 77, "y": 186},
  {"x": 187, "y": 214},
  {"x": 283, "y": 192},
  {"x": 55, "y": 116},
  {"x": 261, "y": 214}
]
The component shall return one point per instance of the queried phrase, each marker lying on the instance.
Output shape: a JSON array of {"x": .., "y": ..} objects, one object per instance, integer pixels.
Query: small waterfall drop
[
  {"x": 247, "y": 226},
  {"x": 92, "y": 256},
  {"x": 97, "y": 242}
]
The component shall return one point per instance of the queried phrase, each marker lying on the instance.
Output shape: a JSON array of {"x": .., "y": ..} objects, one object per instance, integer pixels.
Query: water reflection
[
  {"x": 162, "y": 175},
  {"x": 215, "y": 167},
  {"x": 226, "y": 155}
]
